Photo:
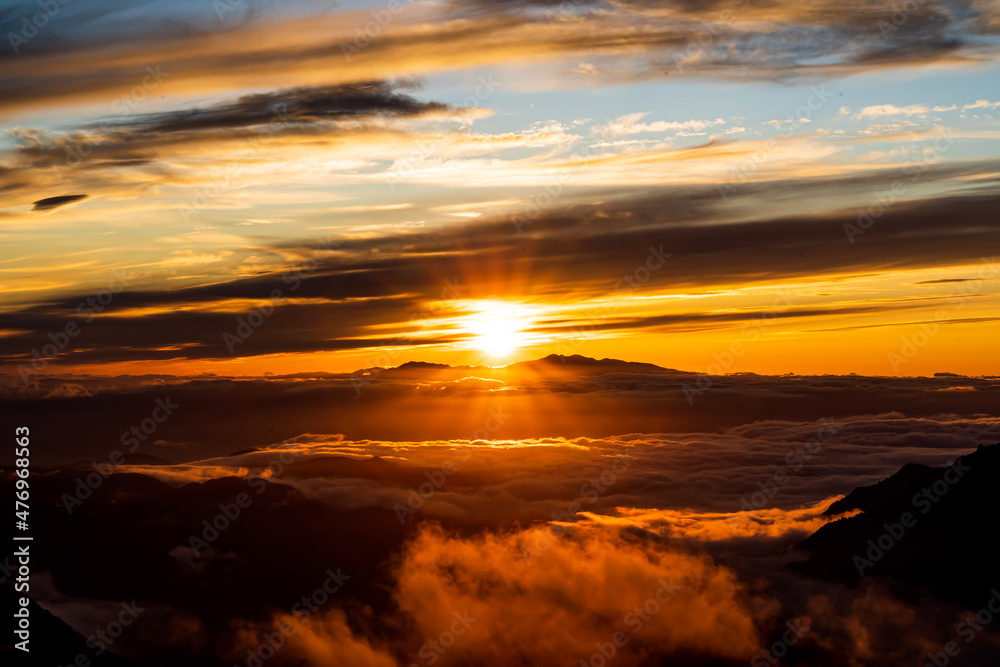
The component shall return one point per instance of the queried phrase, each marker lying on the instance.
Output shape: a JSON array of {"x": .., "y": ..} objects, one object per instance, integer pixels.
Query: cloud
[
  {"x": 721, "y": 485},
  {"x": 774, "y": 523},
  {"x": 629, "y": 124},
  {"x": 368, "y": 290},
  {"x": 981, "y": 104},
  {"x": 626, "y": 42},
  {"x": 551, "y": 608},
  {"x": 882, "y": 110},
  {"x": 294, "y": 105},
  {"x": 324, "y": 640},
  {"x": 539, "y": 551},
  {"x": 52, "y": 203},
  {"x": 179, "y": 475},
  {"x": 250, "y": 122}
]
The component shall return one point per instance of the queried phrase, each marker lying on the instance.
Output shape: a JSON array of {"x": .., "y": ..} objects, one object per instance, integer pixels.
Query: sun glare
[{"x": 499, "y": 328}]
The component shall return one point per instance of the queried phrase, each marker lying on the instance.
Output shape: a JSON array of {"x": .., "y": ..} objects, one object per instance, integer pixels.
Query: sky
[
  {"x": 494, "y": 323},
  {"x": 241, "y": 188}
]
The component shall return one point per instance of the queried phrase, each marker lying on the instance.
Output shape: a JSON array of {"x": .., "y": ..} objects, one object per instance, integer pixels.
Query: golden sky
[{"x": 237, "y": 188}]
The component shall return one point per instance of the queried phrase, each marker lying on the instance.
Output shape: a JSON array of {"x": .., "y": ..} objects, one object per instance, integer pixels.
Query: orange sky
[{"x": 479, "y": 185}]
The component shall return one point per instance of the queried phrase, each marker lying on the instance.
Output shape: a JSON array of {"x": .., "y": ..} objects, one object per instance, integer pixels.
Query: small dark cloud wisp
[{"x": 52, "y": 203}]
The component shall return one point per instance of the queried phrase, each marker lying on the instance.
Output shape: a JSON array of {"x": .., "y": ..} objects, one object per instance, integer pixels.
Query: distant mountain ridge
[{"x": 575, "y": 362}]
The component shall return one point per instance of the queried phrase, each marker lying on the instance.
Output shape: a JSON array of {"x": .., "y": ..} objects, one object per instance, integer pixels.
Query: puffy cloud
[
  {"x": 675, "y": 544},
  {"x": 179, "y": 475},
  {"x": 708, "y": 526},
  {"x": 891, "y": 110},
  {"x": 325, "y": 639},
  {"x": 556, "y": 605}
]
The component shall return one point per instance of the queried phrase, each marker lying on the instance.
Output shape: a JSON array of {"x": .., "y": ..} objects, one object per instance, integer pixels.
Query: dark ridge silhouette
[
  {"x": 139, "y": 535},
  {"x": 578, "y": 360},
  {"x": 926, "y": 528},
  {"x": 52, "y": 641},
  {"x": 880, "y": 495},
  {"x": 374, "y": 468},
  {"x": 137, "y": 459},
  {"x": 575, "y": 362},
  {"x": 415, "y": 365},
  {"x": 146, "y": 460}
]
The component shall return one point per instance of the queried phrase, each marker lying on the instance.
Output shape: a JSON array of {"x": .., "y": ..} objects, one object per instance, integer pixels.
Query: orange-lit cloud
[{"x": 551, "y": 608}]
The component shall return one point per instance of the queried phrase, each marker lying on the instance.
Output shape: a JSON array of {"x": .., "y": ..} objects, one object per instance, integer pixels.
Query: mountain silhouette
[
  {"x": 587, "y": 364},
  {"x": 930, "y": 528},
  {"x": 52, "y": 642}
]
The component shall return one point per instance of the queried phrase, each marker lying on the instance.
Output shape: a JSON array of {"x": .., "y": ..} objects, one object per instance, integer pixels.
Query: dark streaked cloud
[
  {"x": 113, "y": 154},
  {"x": 50, "y": 203},
  {"x": 297, "y": 105},
  {"x": 381, "y": 280},
  {"x": 136, "y": 140},
  {"x": 945, "y": 281}
]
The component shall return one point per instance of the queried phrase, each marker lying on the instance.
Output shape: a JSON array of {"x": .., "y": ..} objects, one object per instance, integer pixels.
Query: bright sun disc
[{"x": 499, "y": 328}]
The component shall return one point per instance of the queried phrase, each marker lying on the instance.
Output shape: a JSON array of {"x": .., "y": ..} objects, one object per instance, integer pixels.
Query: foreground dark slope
[
  {"x": 932, "y": 528},
  {"x": 52, "y": 642}
]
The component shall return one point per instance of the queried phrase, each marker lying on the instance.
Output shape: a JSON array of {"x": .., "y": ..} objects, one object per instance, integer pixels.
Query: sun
[{"x": 499, "y": 328}]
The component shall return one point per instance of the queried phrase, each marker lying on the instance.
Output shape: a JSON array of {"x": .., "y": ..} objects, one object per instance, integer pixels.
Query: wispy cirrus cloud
[{"x": 657, "y": 40}]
